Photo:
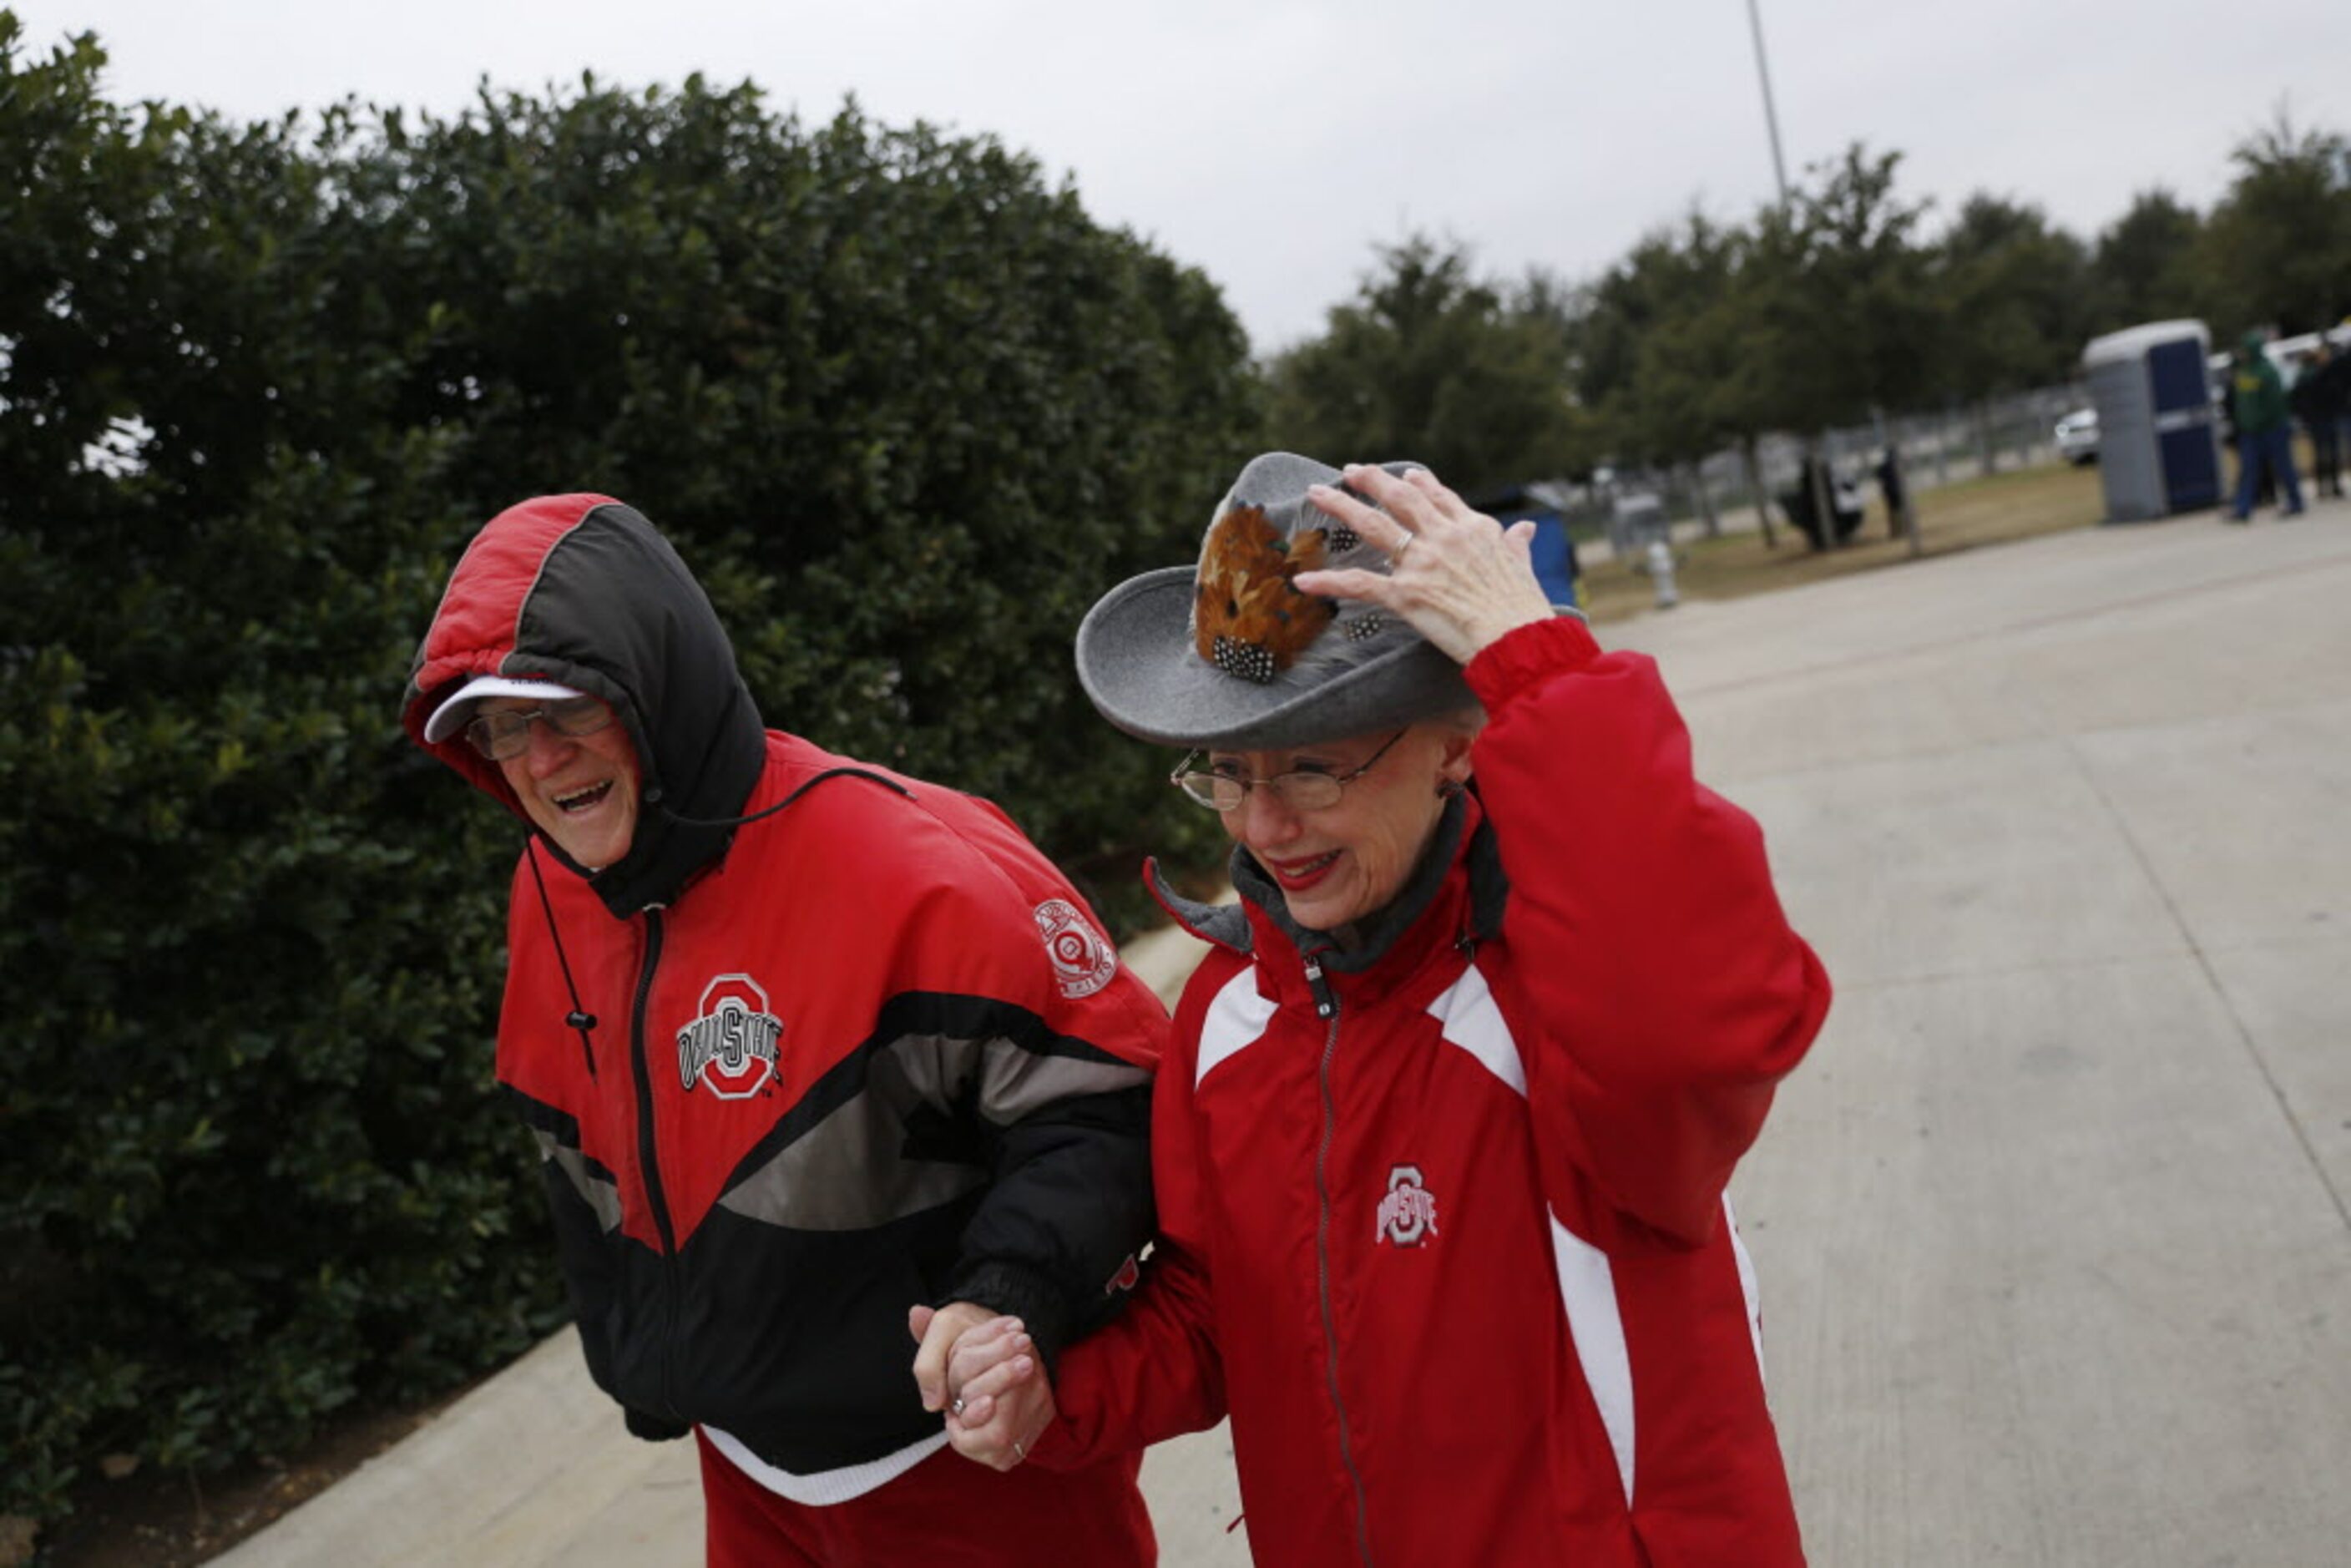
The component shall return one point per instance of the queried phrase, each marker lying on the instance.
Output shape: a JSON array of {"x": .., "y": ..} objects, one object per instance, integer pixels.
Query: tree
[
  {"x": 905, "y": 408},
  {"x": 2276, "y": 251},
  {"x": 1649, "y": 357},
  {"x": 1663, "y": 353},
  {"x": 2013, "y": 292},
  {"x": 2143, "y": 268},
  {"x": 1837, "y": 288},
  {"x": 1837, "y": 303},
  {"x": 1431, "y": 363},
  {"x": 1815, "y": 315}
]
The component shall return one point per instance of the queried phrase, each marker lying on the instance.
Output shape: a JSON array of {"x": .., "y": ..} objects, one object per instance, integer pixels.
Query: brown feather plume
[{"x": 1248, "y": 619}]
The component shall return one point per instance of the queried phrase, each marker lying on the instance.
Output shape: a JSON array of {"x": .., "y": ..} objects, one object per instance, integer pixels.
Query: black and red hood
[{"x": 580, "y": 590}]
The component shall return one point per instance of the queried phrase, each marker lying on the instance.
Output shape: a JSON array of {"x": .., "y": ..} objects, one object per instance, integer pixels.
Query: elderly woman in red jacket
[{"x": 1442, "y": 1139}]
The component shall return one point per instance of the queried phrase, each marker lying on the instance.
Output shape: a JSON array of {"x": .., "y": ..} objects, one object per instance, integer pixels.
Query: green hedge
[{"x": 903, "y": 404}]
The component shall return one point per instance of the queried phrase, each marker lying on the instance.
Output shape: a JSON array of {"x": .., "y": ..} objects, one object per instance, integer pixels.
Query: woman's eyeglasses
[{"x": 1302, "y": 790}]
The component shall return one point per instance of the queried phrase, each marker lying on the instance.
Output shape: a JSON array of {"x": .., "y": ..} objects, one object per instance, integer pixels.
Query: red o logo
[
  {"x": 731, "y": 1048},
  {"x": 1083, "y": 963}
]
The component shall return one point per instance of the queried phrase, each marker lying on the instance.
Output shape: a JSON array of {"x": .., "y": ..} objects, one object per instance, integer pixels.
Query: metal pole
[
  {"x": 1770, "y": 114},
  {"x": 1816, "y": 472}
]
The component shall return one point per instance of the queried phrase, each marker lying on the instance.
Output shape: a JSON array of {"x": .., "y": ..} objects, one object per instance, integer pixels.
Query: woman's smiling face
[{"x": 1338, "y": 863}]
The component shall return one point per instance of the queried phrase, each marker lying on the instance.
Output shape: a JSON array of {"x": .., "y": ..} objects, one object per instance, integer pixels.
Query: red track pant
[{"x": 945, "y": 1512}]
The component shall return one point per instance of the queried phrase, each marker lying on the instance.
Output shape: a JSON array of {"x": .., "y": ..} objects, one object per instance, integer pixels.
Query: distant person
[
  {"x": 1889, "y": 485},
  {"x": 2320, "y": 399},
  {"x": 2264, "y": 431},
  {"x": 2266, "y": 491},
  {"x": 1802, "y": 504},
  {"x": 803, "y": 1041}
]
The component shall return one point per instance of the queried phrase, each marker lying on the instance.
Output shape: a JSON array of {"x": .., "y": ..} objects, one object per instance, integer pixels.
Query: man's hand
[
  {"x": 937, "y": 1333},
  {"x": 1003, "y": 1400},
  {"x": 997, "y": 1397}
]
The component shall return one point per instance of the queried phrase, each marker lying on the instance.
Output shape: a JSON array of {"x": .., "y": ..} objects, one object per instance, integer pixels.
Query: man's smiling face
[{"x": 581, "y": 790}]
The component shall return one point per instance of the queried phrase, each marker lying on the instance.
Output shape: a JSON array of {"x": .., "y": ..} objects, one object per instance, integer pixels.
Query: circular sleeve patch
[{"x": 1083, "y": 961}]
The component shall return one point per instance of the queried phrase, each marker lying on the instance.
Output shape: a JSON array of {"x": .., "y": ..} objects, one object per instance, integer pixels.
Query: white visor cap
[{"x": 454, "y": 714}]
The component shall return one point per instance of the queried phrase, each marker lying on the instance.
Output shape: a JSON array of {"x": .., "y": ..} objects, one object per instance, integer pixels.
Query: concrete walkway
[{"x": 2055, "y": 1228}]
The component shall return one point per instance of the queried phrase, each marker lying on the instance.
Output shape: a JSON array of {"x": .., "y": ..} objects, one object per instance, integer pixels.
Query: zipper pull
[{"x": 1325, "y": 1004}]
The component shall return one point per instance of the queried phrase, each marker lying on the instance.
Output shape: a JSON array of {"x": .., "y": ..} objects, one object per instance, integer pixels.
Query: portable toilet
[{"x": 2157, "y": 450}]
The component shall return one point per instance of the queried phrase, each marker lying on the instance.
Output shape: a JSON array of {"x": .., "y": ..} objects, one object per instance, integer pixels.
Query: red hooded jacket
[{"x": 827, "y": 1042}]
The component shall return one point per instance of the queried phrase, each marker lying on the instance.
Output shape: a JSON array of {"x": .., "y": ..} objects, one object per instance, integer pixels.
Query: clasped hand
[{"x": 982, "y": 1370}]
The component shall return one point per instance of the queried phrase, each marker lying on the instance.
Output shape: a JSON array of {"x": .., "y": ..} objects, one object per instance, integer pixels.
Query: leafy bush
[{"x": 907, "y": 410}]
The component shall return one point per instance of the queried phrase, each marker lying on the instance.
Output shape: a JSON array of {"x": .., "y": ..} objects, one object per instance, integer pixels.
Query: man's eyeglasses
[
  {"x": 1303, "y": 791},
  {"x": 506, "y": 732}
]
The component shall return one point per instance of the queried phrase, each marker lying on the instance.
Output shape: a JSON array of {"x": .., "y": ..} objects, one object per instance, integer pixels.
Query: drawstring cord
[
  {"x": 654, "y": 799},
  {"x": 578, "y": 1017}
]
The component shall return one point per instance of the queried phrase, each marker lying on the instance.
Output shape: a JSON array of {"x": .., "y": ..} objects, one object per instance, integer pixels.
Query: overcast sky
[{"x": 1274, "y": 143}]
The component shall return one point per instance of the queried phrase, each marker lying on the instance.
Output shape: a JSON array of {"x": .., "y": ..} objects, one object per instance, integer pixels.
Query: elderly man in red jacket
[{"x": 802, "y": 1042}]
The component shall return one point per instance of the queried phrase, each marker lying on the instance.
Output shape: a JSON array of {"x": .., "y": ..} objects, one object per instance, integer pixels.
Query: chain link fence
[{"x": 1960, "y": 442}]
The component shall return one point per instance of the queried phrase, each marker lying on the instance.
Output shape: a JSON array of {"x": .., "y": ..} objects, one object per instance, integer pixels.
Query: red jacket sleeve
[
  {"x": 1153, "y": 1373},
  {"x": 1669, "y": 992},
  {"x": 1063, "y": 1102}
]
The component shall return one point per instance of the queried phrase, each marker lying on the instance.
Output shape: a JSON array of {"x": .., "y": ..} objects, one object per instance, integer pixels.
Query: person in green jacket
[{"x": 2257, "y": 398}]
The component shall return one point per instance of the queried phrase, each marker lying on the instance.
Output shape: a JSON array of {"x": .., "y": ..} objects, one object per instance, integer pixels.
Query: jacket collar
[{"x": 1225, "y": 924}]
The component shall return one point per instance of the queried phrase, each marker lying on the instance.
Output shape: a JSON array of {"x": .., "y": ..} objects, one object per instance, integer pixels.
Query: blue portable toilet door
[{"x": 2183, "y": 424}]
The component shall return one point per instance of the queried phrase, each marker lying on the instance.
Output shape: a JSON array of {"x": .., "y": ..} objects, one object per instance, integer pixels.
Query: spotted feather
[{"x": 1248, "y": 618}]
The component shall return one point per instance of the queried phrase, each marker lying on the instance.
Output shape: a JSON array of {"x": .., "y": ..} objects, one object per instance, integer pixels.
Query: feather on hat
[{"x": 1231, "y": 653}]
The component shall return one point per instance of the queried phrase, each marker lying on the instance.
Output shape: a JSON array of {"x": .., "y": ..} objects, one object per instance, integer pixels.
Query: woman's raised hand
[{"x": 1458, "y": 577}]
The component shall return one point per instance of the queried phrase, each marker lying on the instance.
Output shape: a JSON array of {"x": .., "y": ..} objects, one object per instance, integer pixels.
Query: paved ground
[{"x": 2055, "y": 1228}]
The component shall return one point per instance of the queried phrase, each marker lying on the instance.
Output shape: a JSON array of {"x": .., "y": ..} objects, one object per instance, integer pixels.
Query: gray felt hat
[{"x": 1228, "y": 654}]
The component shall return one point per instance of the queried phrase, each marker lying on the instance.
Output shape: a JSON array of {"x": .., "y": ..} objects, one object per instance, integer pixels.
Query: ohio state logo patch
[
  {"x": 1083, "y": 963},
  {"x": 1408, "y": 1213},
  {"x": 730, "y": 1050}
]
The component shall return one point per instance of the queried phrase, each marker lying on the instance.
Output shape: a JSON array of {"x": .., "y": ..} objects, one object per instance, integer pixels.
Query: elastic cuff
[
  {"x": 653, "y": 1429},
  {"x": 1020, "y": 1292},
  {"x": 1533, "y": 653}
]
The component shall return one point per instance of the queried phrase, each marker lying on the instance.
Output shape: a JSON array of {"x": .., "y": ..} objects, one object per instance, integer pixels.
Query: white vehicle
[{"x": 2078, "y": 437}]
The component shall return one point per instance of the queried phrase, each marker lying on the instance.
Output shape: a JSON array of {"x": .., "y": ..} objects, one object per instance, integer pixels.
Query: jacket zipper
[
  {"x": 649, "y": 1153},
  {"x": 1326, "y": 1006}
]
